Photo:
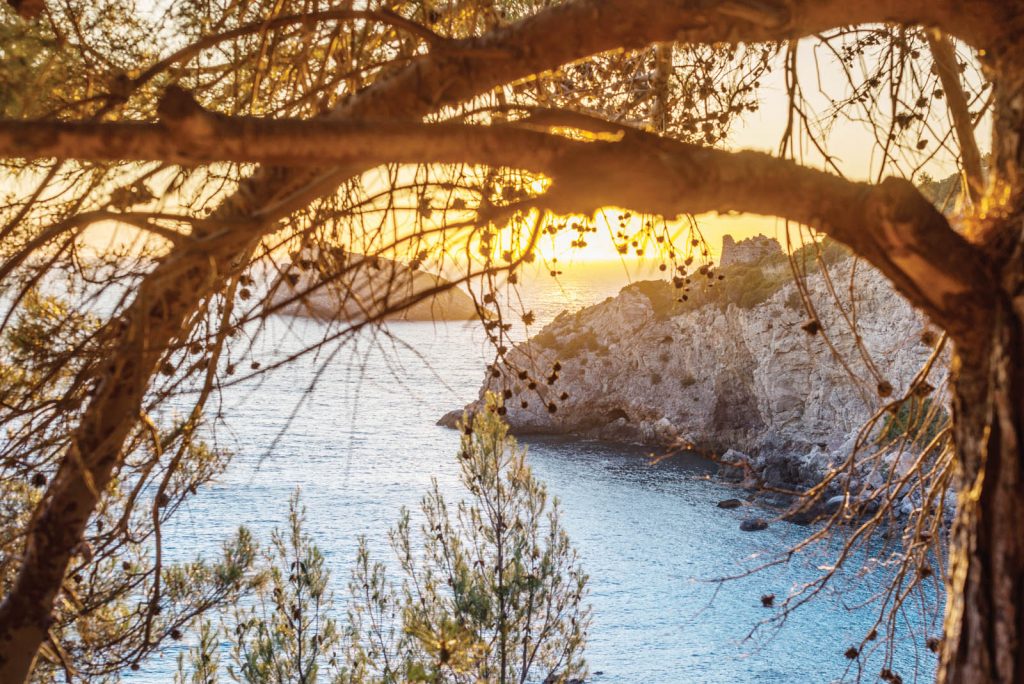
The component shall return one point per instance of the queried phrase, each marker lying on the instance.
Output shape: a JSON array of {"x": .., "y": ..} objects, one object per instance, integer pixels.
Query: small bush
[
  {"x": 546, "y": 339},
  {"x": 917, "y": 420},
  {"x": 585, "y": 341},
  {"x": 662, "y": 296},
  {"x": 827, "y": 250},
  {"x": 795, "y": 301},
  {"x": 492, "y": 592}
]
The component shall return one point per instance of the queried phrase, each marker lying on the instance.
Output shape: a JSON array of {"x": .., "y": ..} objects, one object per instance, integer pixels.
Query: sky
[{"x": 849, "y": 142}]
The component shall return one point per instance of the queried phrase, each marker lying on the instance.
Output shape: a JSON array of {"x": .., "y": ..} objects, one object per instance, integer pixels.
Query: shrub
[
  {"x": 918, "y": 420},
  {"x": 496, "y": 593},
  {"x": 546, "y": 339},
  {"x": 289, "y": 634},
  {"x": 572, "y": 344},
  {"x": 492, "y": 591},
  {"x": 795, "y": 301},
  {"x": 827, "y": 250},
  {"x": 661, "y": 295},
  {"x": 586, "y": 340}
]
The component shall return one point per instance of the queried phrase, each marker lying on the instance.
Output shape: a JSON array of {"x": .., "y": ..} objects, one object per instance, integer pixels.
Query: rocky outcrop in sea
[
  {"x": 741, "y": 367},
  {"x": 353, "y": 287}
]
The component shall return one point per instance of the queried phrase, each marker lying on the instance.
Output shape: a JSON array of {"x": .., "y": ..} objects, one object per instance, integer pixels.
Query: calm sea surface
[{"x": 355, "y": 429}]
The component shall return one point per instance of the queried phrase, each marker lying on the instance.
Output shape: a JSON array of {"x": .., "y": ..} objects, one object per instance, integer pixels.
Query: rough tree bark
[{"x": 984, "y": 622}]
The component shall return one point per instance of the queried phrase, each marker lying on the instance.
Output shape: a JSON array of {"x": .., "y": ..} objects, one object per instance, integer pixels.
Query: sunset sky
[{"x": 851, "y": 144}]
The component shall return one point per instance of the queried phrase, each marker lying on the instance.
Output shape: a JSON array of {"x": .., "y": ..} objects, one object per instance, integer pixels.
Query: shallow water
[{"x": 365, "y": 443}]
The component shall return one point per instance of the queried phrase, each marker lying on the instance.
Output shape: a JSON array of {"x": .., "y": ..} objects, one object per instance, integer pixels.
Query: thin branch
[
  {"x": 891, "y": 224},
  {"x": 949, "y": 73}
]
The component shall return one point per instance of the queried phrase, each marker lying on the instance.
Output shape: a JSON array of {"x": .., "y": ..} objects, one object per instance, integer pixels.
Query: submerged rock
[
  {"x": 834, "y": 503},
  {"x": 451, "y": 419},
  {"x": 730, "y": 503},
  {"x": 799, "y": 515},
  {"x": 851, "y": 505},
  {"x": 754, "y": 525}
]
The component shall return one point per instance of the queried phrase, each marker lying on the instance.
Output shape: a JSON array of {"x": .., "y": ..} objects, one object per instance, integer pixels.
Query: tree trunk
[
  {"x": 984, "y": 622},
  {"x": 168, "y": 298}
]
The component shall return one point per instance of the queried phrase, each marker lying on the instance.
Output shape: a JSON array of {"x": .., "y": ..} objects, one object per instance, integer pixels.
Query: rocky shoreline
[{"x": 742, "y": 374}]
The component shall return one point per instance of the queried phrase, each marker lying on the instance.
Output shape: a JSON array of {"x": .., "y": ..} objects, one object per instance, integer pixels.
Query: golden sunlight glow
[{"x": 760, "y": 130}]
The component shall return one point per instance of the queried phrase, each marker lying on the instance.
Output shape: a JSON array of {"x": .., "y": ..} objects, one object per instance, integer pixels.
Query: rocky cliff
[
  {"x": 756, "y": 249},
  {"x": 740, "y": 367}
]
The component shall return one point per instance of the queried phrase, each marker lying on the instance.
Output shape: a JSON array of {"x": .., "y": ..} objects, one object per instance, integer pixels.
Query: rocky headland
[
  {"x": 739, "y": 371},
  {"x": 353, "y": 287}
]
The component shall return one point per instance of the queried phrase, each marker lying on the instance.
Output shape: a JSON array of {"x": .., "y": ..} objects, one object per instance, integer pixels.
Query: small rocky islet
[
  {"x": 332, "y": 286},
  {"x": 740, "y": 373}
]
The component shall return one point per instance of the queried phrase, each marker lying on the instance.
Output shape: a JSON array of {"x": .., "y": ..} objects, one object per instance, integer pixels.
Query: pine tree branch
[{"x": 948, "y": 68}]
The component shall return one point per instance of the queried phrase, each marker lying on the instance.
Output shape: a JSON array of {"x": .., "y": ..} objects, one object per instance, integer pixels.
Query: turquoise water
[{"x": 355, "y": 429}]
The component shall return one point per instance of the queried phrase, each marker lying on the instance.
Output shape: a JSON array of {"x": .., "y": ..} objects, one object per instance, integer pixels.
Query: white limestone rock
[{"x": 723, "y": 376}]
